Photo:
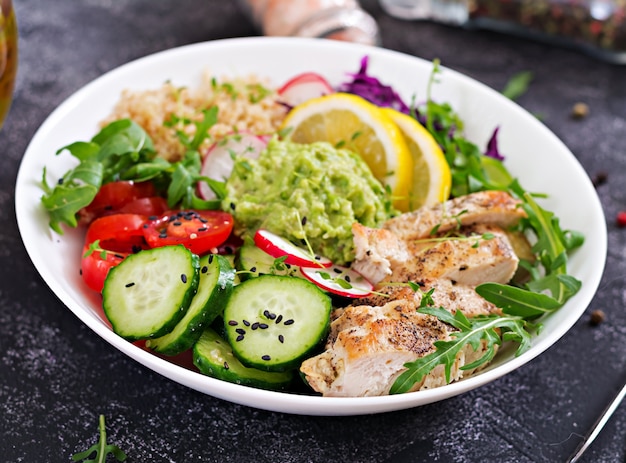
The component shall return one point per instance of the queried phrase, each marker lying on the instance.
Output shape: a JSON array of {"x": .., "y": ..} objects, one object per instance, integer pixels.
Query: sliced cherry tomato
[
  {"x": 118, "y": 233},
  {"x": 113, "y": 196},
  {"x": 153, "y": 205},
  {"x": 198, "y": 231},
  {"x": 96, "y": 265}
]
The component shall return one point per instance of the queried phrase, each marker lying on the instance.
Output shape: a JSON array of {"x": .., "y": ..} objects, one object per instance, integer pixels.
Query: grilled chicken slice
[
  {"x": 376, "y": 252},
  {"x": 369, "y": 344},
  {"x": 489, "y": 207},
  {"x": 474, "y": 255},
  {"x": 478, "y": 254},
  {"x": 372, "y": 339}
]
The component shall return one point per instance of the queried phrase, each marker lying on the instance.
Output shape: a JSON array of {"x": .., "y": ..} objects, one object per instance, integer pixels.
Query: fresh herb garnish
[
  {"x": 517, "y": 85},
  {"x": 549, "y": 286},
  {"x": 101, "y": 449},
  {"x": 123, "y": 151},
  {"x": 491, "y": 330}
]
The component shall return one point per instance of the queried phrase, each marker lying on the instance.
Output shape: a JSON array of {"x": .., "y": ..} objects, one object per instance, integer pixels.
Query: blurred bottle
[
  {"x": 597, "y": 27},
  {"x": 331, "y": 19},
  {"x": 8, "y": 56}
]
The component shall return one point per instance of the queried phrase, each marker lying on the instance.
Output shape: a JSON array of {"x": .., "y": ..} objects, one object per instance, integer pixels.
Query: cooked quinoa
[{"x": 245, "y": 104}]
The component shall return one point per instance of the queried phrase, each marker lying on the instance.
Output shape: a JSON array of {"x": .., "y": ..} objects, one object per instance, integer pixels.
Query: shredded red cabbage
[
  {"x": 492, "y": 146},
  {"x": 373, "y": 90}
]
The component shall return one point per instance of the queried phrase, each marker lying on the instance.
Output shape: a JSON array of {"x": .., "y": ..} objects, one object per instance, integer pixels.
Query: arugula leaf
[
  {"x": 101, "y": 449},
  {"x": 518, "y": 301},
  {"x": 474, "y": 171},
  {"x": 517, "y": 85},
  {"x": 474, "y": 331},
  {"x": 122, "y": 150},
  {"x": 74, "y": 191}
]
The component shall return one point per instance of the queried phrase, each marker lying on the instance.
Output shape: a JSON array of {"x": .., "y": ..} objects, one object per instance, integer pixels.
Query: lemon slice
[
  {"x": 431, "y": 174},
  {"x": 351, "y": 122}
]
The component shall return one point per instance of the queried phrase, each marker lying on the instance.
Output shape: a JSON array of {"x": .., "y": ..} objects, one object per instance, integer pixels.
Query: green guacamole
[{"x": 312, "y": 191}]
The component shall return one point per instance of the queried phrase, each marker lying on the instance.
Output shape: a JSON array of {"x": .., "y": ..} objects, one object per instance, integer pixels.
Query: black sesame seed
[
  {"x": 271, "y": 316},
  {"x": 211, "y": 259},
  {"x": 240, "y": 331},
  {"x": 246, "y": 322},
  {"x": 289, "y": 322},
  {"x": 347, "y": 278},
  {"x": 266, "y": 313},
  {"x": 128, "y": 285},
  {"x": 202, "y": 219},
  {"x": 183, "y": 278},
  {"x": 163, "y": 235},
  {"x": 145, "y": 225},
  {"x": 233, "y": 322},
  {"x": 255, "y": 325},
  {"x": 202, "y": 229},
  {"x": 279, "y": 319},
  {"x": 266, "y": 357},
  {"x": 152, "y": 217},
  {"x": 119, "y": 256},
  {"x": 204, "y": 269},
  {"x": 226, "y": 366},
  {"x": 177, "y": 223},
  {"x": 281, "y": 338},
  {"x": 253, "y": 269},
  {"x": 232, "y": 206},
  {"x": 263, "y": 326},
  {"x": 239, "y": 338},
  {"x": 337, "y": 270},
  {"x": 303, "y": 221}
]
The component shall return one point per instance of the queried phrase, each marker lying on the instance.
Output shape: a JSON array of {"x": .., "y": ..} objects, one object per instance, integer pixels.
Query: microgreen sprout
[{"x": 101, "y": 449}]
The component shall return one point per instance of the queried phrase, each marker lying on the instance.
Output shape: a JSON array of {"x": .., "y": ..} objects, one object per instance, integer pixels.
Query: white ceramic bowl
[{"x": 533, "y": 154}]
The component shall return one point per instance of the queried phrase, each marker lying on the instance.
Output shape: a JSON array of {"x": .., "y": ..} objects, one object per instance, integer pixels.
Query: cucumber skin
[
  {"x": 236, "y": 373},
  {"x": 172, "y": 322},
  {"x": 211, "y": 310},
  {"x": 249, "y": 256},
  {"x": 296, "y": 361}
]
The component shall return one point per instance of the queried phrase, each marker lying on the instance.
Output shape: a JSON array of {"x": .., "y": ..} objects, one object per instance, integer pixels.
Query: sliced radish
[
  {"x": 339, "y": 280},
  {"x": 219, "y": 160},
  {"x": 277, "y": 246},
  {"x": 303, "y": 87}
]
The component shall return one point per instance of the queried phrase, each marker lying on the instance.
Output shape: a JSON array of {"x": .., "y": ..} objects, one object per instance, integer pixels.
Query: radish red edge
[
  {"x": 277, "y": 247},
  {"x": 304, "y": 87},
  {"x": 218, "y": 161},
  {"x": 339, "y": 280}
]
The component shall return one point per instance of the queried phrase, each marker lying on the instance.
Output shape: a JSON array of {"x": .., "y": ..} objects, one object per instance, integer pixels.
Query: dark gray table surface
[{"x": 56, "y": 376}]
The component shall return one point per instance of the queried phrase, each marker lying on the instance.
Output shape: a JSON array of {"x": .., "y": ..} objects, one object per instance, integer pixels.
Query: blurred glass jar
[
  {"x": 597, "y": 27},
  {"x": 331, "y": 19},
  {"x": 8, "y": 56}
]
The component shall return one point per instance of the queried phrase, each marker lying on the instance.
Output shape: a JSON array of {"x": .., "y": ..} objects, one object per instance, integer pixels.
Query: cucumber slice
[
  {"x": 214, "y": 357},
  {"x": 253, "y": 262},
  {"x": 232, "y": 260},
  {"x": 148, "y": 293},
  {"x": 214, "y": 287},
  {"x": 273, "y": 322}
]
